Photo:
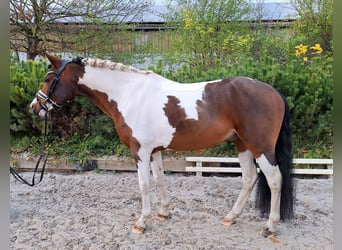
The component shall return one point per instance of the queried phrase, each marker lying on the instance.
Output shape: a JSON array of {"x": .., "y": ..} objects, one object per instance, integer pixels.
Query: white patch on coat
[
  {"x": 141, "y": 99},
  {"x": 188, "y": 95},
  {"x": 272, "y": 172},
  {"x": 250, "y": 78},
  {"x": 34, "y": 101},
  {"x": 265, "y": 165}
]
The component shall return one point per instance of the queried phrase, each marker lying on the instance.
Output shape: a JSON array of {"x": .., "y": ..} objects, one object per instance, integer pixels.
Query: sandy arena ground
[{"x": 97, "y": 211}]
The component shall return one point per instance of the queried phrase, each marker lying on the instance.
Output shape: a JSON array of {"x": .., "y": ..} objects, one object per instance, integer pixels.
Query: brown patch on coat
[
  {"x": 110, "y": 108},
  {"x": 174, "y": 112},
  {"x": 194, "y": 134},
  {"x": 239, "y": 108}
]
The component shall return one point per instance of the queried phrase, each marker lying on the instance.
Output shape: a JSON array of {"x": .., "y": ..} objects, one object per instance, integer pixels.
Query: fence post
[{"x": 199, "y": 164}]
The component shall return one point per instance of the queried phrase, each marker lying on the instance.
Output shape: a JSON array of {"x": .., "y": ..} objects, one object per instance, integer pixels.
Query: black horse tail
[{"x": 284, "y": 158}]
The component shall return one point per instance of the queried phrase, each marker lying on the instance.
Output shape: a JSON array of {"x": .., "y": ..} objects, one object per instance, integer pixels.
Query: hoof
[
  {"x": 227, "y": 222},
  {"x": 138, "y": 230},
  {"x": 270, "y": 235},
  {"x": 161, "y": 217}
]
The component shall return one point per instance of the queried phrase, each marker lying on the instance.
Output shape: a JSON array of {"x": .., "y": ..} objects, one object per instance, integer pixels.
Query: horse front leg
[
  {"x": 158, "y": 174},
  {"x": 143, "y": 165}
]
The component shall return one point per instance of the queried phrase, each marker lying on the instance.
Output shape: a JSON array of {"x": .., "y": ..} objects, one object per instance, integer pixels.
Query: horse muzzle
[
  {"x": 38, "y": 108},
  {"x": 43, "y": 107}
]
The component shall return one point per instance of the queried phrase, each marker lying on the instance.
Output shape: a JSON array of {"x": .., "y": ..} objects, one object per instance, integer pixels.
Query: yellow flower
[
  {"x": 318, "y": 49},
  {"x": 188, "y": 21},
  {"x": 301, "y": 49},
  {"x": 305, "y": 58}
]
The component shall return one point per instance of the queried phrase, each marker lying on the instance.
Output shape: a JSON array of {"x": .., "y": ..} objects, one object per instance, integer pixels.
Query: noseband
[{"x": 48, "y": 103}]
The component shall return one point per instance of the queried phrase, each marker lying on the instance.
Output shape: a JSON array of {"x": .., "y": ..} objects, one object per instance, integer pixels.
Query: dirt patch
[{"x": 97, "y": 211}]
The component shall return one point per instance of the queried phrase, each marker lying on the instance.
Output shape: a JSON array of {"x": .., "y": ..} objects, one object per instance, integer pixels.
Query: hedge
[{"x": 82, "y": 130}]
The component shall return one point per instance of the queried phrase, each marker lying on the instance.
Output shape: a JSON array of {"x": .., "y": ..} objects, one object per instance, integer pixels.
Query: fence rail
[{"x": 327, "y": 165}]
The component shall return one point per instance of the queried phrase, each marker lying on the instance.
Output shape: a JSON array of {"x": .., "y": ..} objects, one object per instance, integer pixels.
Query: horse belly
[{"x": 195, "y": 139}]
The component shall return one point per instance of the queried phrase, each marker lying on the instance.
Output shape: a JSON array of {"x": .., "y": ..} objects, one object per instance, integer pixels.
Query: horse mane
[{"x": 99, "y": 63}]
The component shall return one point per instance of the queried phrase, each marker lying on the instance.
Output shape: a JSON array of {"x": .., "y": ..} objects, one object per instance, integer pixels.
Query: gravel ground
[{"x": 97, "y": 211}]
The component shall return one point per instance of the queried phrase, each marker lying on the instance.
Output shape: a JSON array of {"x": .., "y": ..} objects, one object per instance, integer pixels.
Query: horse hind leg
[
  {"x": 249, "y": 177},
  {"x": 158, "y": 174},
  {"x": 274, "y": 181}
]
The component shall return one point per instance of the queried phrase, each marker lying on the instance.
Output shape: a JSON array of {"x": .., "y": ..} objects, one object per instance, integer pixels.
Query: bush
[
  {"x": 82, "y": 130},
  {"x": 26, "y": 78},
  {"x": 203, "y": 36}
]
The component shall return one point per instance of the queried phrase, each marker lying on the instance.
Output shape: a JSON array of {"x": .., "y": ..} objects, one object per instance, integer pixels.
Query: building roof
[
  {"x": 277, "y": 11},
  {"x": 264, "y": 11},
  {"x": 274, "y": 11}
]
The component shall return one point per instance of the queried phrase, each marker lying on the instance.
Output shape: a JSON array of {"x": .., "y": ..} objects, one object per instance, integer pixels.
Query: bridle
[{"x": 48, "y": 104}]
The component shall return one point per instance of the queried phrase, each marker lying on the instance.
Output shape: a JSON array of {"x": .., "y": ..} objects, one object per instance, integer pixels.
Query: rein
[{"x": 42, "y": 156}]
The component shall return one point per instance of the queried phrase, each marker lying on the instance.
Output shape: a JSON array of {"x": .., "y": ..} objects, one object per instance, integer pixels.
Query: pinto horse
[{"x": 152, "y": 113}]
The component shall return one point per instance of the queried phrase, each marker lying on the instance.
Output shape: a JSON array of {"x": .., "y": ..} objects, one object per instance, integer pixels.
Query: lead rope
[{"x": 42, "y": 155}]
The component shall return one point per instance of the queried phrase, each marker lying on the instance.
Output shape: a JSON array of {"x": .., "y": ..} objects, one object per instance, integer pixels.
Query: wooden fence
[
  {"x": 196, "y": 165},
  {"x": 321, "y": 166}
]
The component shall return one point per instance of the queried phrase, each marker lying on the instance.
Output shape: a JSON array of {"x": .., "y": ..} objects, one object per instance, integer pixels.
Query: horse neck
[
  {"x": 103, "y": 86},
  {"x": 94, "y": 97},
  {"x": 118, "y": 81}
]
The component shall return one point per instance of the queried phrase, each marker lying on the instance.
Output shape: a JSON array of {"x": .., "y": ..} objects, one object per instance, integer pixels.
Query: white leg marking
[
  {"x": 249, "y": 177},
  {"x": 144, "y": 184},
  {"x": 274, "y": 180},
  {"x": 158, "y": 174}
]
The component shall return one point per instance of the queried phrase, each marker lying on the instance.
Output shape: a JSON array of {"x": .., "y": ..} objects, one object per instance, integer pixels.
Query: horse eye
[{"x": 49, "y": 66}]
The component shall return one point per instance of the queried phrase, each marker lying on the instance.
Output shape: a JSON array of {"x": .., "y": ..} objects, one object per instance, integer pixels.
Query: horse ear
[{"x": 54, "y": 60}]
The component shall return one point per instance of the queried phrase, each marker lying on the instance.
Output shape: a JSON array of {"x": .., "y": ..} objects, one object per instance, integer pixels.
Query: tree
[
  {"x": 37, "y": 25},
  {"x": 315, "y": 22},
  {"x": 208, "y": 31}
]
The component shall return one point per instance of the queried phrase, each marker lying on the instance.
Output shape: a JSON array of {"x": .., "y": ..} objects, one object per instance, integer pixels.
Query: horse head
[{"x": 59, "y": 86}]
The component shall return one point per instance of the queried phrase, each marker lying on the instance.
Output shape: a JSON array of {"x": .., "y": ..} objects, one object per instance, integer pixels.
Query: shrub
[
  {"x": 26, "y": 78},
  {"x": 81, "y": 129}
]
